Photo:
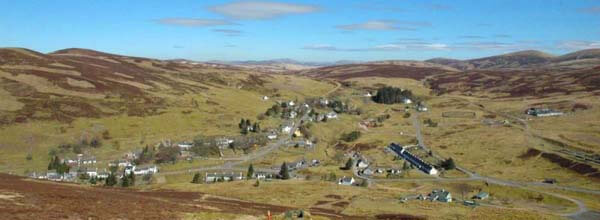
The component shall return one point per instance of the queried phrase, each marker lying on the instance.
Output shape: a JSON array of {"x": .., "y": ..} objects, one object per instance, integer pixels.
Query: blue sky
[{"x": 304, "y": 30}]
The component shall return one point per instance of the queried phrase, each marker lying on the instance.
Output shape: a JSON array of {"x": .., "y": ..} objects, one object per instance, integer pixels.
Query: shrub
[{"x": 352, "y": 136}]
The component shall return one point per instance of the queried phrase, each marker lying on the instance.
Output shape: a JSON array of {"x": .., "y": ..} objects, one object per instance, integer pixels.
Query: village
[{"x": 138, "y": 167}]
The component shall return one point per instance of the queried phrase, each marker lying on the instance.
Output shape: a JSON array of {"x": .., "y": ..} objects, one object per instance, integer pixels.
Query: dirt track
[{"x": 22, "y": 198}]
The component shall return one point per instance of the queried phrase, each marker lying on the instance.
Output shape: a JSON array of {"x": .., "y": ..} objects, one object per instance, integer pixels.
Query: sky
[{"x": 310, "y": 30}]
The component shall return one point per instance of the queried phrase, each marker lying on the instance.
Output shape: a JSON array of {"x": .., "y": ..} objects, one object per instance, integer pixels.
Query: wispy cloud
[
  {"x": 328, "y": 47},
  {"x": 439, "y": 46},
  {"x": 577, "y": 45},
  {"x": 384, "y": 25},
  {"x": 502, "y": 36},
  {"x": 194, "y": 22},
  {"x": 261, "y": 9},
  {"x": 178, "y": 47},
  {"x": 471, "y": 37},
  {"x": 229, "y": 32},
  {"x": 590, "y": 10},
  {"x": 438, "y": 7},
  {"x": 382, "y": 47}
]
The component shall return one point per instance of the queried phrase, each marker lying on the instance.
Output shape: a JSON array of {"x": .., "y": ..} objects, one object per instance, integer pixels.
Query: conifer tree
[
  {"x": 250, "y": 172},
  {"x": 284, "y": 173}
]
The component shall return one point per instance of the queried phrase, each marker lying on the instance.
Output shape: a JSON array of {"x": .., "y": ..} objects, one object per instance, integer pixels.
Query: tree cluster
[
  {"x": 167, "y": 154},
  {"x": 448, "y": 164},
  {"x": 197, "y": 178},
  {"x": 55, "y": 164},
  {"x": 275, "y": 110},
  {"x": 111, "y": 180},
  {"x": 352, "y": 136},
  {"x": 246, "y": 126},
  {"x": 128, "y": 180},
  {"x": 205, "y": 146},
  {"x": 391, "y": 95}
]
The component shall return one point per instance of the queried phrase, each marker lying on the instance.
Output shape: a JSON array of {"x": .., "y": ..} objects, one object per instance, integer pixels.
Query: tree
[
  {"x": 93, "y": 180},
  {"x": 250, "y": 173},
  {"x": 29, "y": 156},
  {"x": 125, "y": 181},
  {"x": 242, "y": 123},
  {"x": 349, "y": 164},
  {"x": 352, "y": 136},
  {"x": 111, "y": 180},
  {"x": 196, "y": 178},
  {"x": 131, "y": 179},
  {"x": 257, "y": 183},
  {"x": 284, "y": 173},
  {"x": 448, "y": 164}
]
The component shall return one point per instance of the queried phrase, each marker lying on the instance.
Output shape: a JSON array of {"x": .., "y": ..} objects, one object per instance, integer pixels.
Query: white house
[
  {"x": 287, "y": 127},
  {"x": 406, "y": 101},
  {"x": 291, "y": 103},
  {"x": 368, "y": 94},
  {"x": 440, "y": 195},
  {"x": 119, "y": 163},
  {"x": 293, "y": 114},
  {"x": 91, "y": 172},
  {"x": 102, "y": 175},
  {"x": 422, "y": 108},
  {"x": 362, "y": 164},
  {"x": 324, "y": 101},
  {"x": 214, "y": 177},
  {"x": 265, "y": 98},
  {"x": 144, "y": 170},
  {"x": 185, "y": 145},
  {"x": 86, "y": 160},
  {"x": 272, "y": 136},
  {"x": 346, "y": 181},
  {"x": 331, "y": 115}
]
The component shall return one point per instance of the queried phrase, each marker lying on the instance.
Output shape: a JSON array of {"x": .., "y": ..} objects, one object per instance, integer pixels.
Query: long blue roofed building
[{"x": 412, "y": 159}]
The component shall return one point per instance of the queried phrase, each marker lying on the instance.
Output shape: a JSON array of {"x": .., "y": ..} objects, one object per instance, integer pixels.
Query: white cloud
[
  {"x": 229, "y": 32},
  {"x": 384, "y": 25},
  {"x": 261, "y": 9},
  {"x": 194, "y": 22},
  {"x": 578, "y": 45},
  {"x": 390, "y": 47},
  {"x": 383, "y": 47}
]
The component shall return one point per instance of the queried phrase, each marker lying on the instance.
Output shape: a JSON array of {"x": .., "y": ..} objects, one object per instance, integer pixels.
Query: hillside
[
  {"x": 528, "y": 59},
  {"x": 86, "y": 83},
  {"x": 514, "y": 60},
  {"x": 388, "y": 70}
]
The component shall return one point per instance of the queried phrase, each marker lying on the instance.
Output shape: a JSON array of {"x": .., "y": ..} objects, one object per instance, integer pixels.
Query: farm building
[
  {"x": 543, "y": 112},
  {"x": 414, "y": 160},
  {"x": 346, "y": 181}
]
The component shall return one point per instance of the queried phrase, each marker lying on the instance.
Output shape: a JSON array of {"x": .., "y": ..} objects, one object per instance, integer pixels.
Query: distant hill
[
  {"x": 281, "y": 65},
  {"x": 519, "y": 59},
  {"x": 525, "y": 60}
]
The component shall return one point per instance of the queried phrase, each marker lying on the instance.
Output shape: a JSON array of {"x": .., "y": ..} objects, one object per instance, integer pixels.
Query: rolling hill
[
  {"x": 528, "y": 59},
  {"x": 71, "y": 83}
]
